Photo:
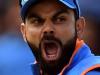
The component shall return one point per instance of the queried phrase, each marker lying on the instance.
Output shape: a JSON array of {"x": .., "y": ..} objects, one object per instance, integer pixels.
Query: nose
[{"x": 48, "y": 29}]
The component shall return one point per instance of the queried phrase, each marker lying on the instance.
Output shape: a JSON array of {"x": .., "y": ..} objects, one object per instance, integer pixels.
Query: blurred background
[
  {"x": 14, "y": 52},
  {"x": 90, "y": 9},
  {"x": 12, "y": 47}
]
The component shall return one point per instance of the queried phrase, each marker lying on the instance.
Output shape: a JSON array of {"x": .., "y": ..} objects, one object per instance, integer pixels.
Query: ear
[
  {"x": 80, "y": 24},
  {"x": 23, "y": 31}
]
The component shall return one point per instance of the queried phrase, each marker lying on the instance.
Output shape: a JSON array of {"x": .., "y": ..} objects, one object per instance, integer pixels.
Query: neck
[{"x": 54, "y": 69}]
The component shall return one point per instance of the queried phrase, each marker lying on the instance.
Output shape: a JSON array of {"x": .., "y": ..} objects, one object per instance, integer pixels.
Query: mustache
[{"x": 50, "y": 38}]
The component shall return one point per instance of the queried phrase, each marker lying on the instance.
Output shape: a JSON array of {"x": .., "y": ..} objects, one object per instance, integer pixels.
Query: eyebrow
[
  {"x": 33, "y": 15},
  {"x": 60, "y": 12}
]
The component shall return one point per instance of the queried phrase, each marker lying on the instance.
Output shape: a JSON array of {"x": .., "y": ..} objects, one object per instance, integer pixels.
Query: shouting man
[{"x": 53, "y": 30}]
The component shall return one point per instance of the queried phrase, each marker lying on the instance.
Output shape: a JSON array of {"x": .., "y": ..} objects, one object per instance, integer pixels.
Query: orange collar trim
[
  {"x": 79, "y": 43},
  {"x": 91, "y": 68}
]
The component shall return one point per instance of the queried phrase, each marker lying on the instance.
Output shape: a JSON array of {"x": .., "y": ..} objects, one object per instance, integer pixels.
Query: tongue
[{"x": 51, "y": 48}]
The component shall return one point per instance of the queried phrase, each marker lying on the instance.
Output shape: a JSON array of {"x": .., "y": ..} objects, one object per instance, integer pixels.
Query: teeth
[{"x": 51, "y": 56}]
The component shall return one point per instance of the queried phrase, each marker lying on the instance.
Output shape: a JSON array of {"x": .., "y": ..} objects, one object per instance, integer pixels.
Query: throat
[{"x": 49, "y": 71}]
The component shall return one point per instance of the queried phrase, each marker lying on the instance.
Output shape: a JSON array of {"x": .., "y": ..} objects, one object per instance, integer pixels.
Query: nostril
[
  {"x": 51, "y": 32},
  {"x": 45, "y": 32}
]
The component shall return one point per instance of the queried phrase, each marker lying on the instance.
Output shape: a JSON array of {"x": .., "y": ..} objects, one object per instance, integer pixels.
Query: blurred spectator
[{"x": 15, "y": 55}]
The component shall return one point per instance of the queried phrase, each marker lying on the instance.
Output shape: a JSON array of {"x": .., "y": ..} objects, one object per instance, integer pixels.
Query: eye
[
  {"x": 60, "y": 19},
  {"x": 36, "y": 21}
]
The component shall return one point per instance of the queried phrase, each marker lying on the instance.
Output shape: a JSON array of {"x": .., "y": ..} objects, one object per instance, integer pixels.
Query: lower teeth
[{"x": 51, "y": 56}]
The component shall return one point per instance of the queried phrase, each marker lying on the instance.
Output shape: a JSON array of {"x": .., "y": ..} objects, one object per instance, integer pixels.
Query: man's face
[{"x": 49, "y": 29}]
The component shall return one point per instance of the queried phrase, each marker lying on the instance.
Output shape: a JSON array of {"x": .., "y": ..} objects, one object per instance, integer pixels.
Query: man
[{"x": 53, "y": 30}]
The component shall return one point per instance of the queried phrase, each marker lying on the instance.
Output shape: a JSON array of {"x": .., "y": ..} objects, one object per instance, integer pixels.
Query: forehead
[{"x": 47, "y": 6}]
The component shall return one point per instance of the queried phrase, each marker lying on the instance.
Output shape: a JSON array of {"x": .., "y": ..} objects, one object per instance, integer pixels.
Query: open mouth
[{"x": 51, "y": 50}]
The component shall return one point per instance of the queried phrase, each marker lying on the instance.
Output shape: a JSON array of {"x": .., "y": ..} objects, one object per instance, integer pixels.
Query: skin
[{"x": 54, "y": 19}]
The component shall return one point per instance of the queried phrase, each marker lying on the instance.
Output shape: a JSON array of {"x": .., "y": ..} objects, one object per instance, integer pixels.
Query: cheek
[
  {"x": 65, "y": 33},
  {"x": 33, "y": 36}
]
